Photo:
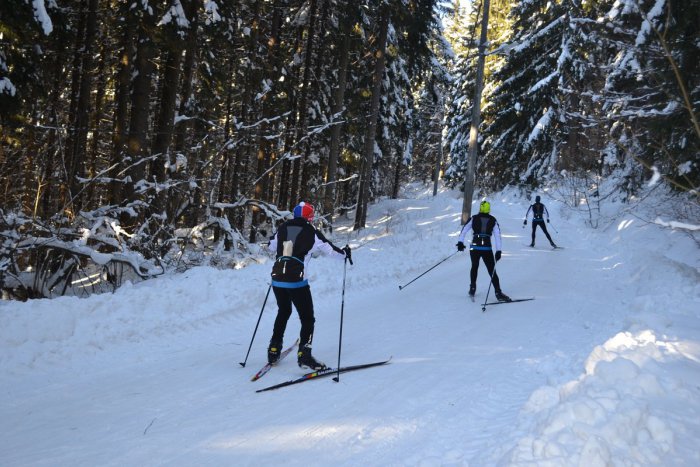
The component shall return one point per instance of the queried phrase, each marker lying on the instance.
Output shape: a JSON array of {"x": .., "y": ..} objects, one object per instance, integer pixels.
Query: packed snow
[{"x": 602, "y": 368}]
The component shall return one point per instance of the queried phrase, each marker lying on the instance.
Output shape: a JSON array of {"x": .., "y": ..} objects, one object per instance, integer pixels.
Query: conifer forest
[{"x": 145, "y": 136}]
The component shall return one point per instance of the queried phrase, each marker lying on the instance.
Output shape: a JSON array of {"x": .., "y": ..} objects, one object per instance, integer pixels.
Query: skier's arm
[
  {"x": 467, "y": 227},
  {"x": 546, "y": 212},
  {"x": 497, "y": 237},
  {"x": 272, "y": 244},
  {"x": 322, "y": 244},
  {"x": 528, "y": 211}
]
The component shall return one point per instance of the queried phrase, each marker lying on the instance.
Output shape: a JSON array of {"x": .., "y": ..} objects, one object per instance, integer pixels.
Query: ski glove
[
  {"x": 498, "y": 255},
  {"x": 348, "y": 255},
  {"x": 525, "y": 222},
  {"x": 547, "y": 221},
  {"x": 460, "y": 246}
]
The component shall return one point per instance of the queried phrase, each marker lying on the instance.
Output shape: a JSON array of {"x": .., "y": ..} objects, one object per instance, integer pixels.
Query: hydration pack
[{"x": 288, "y": 268}]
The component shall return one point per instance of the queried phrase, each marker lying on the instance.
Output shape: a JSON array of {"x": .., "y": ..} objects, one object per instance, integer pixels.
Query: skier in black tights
[
  {"x": 538, "y": 212},
  {"x": 294, "y": 242},
  {"x": 484, "y": 227}
]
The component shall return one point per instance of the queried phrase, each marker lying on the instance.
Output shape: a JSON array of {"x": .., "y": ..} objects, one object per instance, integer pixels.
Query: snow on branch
[
  {"x": 42, "y": 17},
  {"x": 677, "y": 225},
  {"x": 524, "y": 44},
  {"x": 144, "y": 268}
]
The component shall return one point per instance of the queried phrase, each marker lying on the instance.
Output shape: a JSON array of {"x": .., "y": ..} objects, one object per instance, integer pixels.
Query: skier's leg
[
  {"x": 474, "y": 255},
  {"x": 534, "y": 227},
  {"x": 305, "y": 307},
  {"x": 490, "y": 263},
  {"x": 284, "y": 311},
  {"x": 544, "y": 228}
]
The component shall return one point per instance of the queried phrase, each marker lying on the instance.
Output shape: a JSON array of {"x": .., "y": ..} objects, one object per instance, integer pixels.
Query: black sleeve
[{"x": 324, "y": 239}]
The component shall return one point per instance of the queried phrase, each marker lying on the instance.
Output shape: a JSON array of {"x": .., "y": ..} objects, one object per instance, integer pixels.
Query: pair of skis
[
  {"x": 515, "y": 300},
  {"x": 308, "y": 376},
  {"x": 325, "y": 372},
  {"x": 473, "y": 299}
]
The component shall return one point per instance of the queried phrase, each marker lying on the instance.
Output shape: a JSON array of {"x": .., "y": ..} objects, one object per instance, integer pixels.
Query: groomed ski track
[{"x": 452, "y": 395}]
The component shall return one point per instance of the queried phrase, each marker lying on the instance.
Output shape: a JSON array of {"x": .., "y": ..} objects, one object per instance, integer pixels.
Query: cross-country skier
[
  {"x": 538, "y": 211},
  {"x": 484, "y": 226},
  {"x": 293, "y": 243}
]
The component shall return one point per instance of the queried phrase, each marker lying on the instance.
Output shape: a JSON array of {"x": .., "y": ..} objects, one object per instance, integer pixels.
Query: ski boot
[
  {"x": 305, "y": 360},
  {"x": 532, "y": 245},
  {"x": 273, "y": 352},
  {"x": 472, "y": 290},
  {"x": 501, "y": 297}
]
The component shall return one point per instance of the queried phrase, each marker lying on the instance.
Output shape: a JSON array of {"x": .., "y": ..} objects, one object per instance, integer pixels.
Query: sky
[{"x": 601, "y": 368}]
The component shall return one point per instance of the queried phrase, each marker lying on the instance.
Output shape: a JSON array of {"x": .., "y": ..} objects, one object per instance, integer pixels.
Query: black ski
[
  {"x": 511, "y": 301},
  {"x": 322, "y": 373},
  {"x": 541, "y": 249}
]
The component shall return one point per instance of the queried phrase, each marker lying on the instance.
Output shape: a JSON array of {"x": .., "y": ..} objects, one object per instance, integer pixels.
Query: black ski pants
[
  {"x": 301, "y": 299},
  {"x": 489, "y": 261},
  {"x": 544, "y": 229}
]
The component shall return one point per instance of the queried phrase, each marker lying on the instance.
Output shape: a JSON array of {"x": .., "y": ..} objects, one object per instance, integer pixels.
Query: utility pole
[
  {"x": 476, "y": 119},
  {"x": 438, "y": 162}
]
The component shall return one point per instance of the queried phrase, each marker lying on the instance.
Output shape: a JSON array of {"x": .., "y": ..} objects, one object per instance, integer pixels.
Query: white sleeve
[
  {"x": 497, "y": 237},
  {"x": 467, "y": 227},
  {"x": 327, "y": 248}
]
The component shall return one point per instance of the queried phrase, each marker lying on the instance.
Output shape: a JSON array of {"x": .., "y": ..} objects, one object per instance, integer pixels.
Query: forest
[{"x": 138, "y": 138}]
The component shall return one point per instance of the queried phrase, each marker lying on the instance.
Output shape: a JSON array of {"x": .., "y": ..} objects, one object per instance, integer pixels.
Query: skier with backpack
[
  {"x": 294, "y": 242},
  {"x": 538, "y": 211},
  {"x": 484, "y": 227}
]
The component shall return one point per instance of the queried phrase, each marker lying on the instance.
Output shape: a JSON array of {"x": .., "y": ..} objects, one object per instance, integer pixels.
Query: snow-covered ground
[{"x": 602, "y": 368}]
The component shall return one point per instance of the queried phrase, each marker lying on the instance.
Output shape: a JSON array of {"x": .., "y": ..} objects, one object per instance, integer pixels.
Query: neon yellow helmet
[{"x": 485, "y": 207}]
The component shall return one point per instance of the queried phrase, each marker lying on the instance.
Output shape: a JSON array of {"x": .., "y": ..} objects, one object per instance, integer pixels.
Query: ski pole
[
  {"x": 256, "y": 327},
  {"x": 342, "y": 309},
  {"x": 483, "y": 307},
  {"x": 401, "y": 287},
  {"x": 553, "y": 227}
]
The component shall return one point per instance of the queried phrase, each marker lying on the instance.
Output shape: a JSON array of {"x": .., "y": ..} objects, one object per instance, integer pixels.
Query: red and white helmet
[{"x": 304, "y": 210}]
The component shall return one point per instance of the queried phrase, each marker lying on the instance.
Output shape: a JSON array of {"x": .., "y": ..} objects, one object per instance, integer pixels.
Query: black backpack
[{"x": 288, "y": 269}]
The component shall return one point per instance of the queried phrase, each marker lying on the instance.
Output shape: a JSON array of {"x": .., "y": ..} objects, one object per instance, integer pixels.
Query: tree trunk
[
  {"x": 188, "y": 69},
  {"x": 283, "y": 201},
  {"x": 82, "y": 86},
  {"x": 96, "y": 118},
  {"x": 121, "y": 113},
  {"x": 338, "y": 106},
  {"x": 140, "y": 107},
  {"x": 165, "y": 121},
  {"x": 303, "y": 101},
  {"x": 368, "y": 151},
  {"x": 311, "y": 169},
  {"x": 269, "y": 104}
]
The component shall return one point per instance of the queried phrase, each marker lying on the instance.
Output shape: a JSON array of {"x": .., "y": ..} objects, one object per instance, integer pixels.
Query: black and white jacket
[{"x": 294, "y": 242}]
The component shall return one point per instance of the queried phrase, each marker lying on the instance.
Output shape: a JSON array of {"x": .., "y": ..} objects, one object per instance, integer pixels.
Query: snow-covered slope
[{"x": 602, "y": 368}]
